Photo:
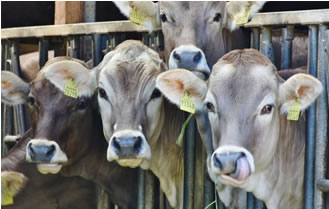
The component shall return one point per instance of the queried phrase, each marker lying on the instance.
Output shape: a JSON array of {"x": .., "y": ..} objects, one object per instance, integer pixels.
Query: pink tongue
[{"x": 244, "y": 169}]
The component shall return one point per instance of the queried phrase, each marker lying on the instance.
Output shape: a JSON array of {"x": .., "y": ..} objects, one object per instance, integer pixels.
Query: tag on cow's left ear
[
  {"x": 71, "y": 89},
  {"x": 8, "y": 198},
  {"x": 242, "y": 17},
  {"x": 294, "y": 111},
  {"x": 186, "y": 103},
  {"x": 137, "y": 16}
]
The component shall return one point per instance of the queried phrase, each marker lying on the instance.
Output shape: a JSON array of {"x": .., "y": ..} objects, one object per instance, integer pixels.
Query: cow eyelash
[{"x": 217, "y": 17}]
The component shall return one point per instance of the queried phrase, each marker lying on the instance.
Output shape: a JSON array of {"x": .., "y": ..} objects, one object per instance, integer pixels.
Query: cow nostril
[
  {"x": 138, "y": 144},
  {"x": 217, "y": 162},
  {"x": 177, "y": 57},
  {"x": 51, "y": 150},
  {"x": 197, "y": 57},
  {"x": 116, "y": 144}
]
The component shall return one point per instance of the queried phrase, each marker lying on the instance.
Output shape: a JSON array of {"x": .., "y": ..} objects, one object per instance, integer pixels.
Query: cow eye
[
  {"x": 210, "y": 107},
  {"x": 163, "y": 18},
  {"x": 102, "y": 93},
  {"x": 155, "y": 94},
  {"x": 267, "y": 109},
  {"x": 82, "y": 105},
  {"x": 30, "y": 100},
  {"x": 217, "y": 17}
]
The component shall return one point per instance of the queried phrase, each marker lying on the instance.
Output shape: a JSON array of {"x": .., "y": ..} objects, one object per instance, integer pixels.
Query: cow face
[
  {"x": 193, "y": 31},
  {"x": 59, "y": 122},
  {"x": 130, "y": 105},
  {"x": 245, "y": 100}
]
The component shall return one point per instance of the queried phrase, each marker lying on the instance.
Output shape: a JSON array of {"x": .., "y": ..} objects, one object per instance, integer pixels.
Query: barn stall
[{"x": 90, "y": 41}]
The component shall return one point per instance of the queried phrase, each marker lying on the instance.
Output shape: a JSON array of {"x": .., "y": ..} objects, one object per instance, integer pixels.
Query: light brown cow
[
  {"x": 195, "y": 33},
  {"x": 257, "y": 148}
]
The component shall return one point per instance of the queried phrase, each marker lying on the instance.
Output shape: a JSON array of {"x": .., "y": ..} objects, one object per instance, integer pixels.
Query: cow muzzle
[
  {"x": 232, "y": 164},
  {"x": 47, "y": 154},
  {"x": 128, "y": 148},
  {"x": 191, "y": 58}
]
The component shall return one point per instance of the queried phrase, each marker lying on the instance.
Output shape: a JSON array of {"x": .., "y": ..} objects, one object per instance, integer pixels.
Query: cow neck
[
  {"x": 287, "y": 168},
  {"x": 168, "y": 159},
  {"x": 116, "y": 180},
  {"x": 15, "y": 158}
]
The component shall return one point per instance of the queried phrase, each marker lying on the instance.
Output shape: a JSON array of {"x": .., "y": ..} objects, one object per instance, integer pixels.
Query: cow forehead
[{"x": 175, "y": 7}]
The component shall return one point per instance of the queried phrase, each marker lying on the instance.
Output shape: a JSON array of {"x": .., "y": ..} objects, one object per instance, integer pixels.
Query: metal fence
[{"x": 101, "y": 37}]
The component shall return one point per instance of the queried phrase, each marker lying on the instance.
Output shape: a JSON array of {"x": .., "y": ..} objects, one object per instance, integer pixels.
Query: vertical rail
[
  {"x": 321, "y": 119},
  {"x": 255, "y": 38},
  {"x": 97, "y": 49},
  {"x": 250, "y": 200},
  {"x": 266, "y": 44},
  {"x": 149, "y": 190},
  {"x": 73, "y": 47},
  {"x": 310, "y": 115},
  {"x": 141, "y": 180},
  {"x": 189, "y": 143},
  {"x": 286, "y": 50},
  {"x": 43, "y": 52}
]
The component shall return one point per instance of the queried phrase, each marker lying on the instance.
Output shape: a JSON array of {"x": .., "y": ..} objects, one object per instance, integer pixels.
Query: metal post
[
  {"x": 149, "y": 190},
  {"x": 73, "y": 47},
  {"x": 259, "y": 204},
  {"x": 255, "y": 38},
  {"x": 310, "y": 115},
  {"x": 321, "y": 119},
  {"x": 141, "y": 180},
  {"x": 189, "y": 143},
  {"x": 43, "y": 52},
  {"x": 266, "y": 44},
  {"x": 286, "y": 50},
  {"x": 250, "y": 201},
  {"x": 97, "y": 49}
]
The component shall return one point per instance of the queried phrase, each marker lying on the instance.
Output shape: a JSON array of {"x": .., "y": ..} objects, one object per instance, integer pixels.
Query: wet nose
[
  {"x": 127, "y": 147},
  {"x": 187, "y": 59},
  {"x": 41, "y": 153},
  {"x": 226, "y": 162}
]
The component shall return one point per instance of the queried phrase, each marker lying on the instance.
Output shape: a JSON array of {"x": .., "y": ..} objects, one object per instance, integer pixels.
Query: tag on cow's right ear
[
  {"x": 294, "y": 111},
  {"x": 186, "y": 103},
  {"x": 71, "y": 89},
  {"x": 8, "y": 198},
  {"x": 137, "y": 16}
]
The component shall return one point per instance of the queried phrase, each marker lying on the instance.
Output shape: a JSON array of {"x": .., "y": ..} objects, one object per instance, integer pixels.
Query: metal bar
[
  {"x": 73, "y": 47},
  {"x": 255, "y": 38},
  {"x": 321, "y": 141},
  {"x": 259, "y": 204},
  {"x": 20, "y": 110},
  {"x": 209, "y": 190},
  {"x": 266, "y": 44},
  {"x": 97, "y": 49},
  {"x": 310, "y": 129},
  {"x": 199, "y": 169},
  {"x": 43, "y": 52},
  {"x": 327, "y": 72},
  {"x": 189, "y": 143},
  {"x": 149, "y": 190},
  {"x": 286, "y": 50},
  {"x": 323, "y": 184},
  {"x": 250, "y": 201},
  {"x": 141, "y": 182}
]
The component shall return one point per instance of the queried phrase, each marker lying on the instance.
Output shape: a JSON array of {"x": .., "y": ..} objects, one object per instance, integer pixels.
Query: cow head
[
  {"x": 245, "y": 100},
  {"x": 131, "y": 107},
  {"x": 59, "y": 122},
  {"x": 194, "y": 32}
]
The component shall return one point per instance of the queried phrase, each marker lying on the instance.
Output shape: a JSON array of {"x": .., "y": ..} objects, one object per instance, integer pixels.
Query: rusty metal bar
[
  {"x": 266, "y": 46},
  {"x": 286, "y": 50},
  {"x": 310, "y": 115}
]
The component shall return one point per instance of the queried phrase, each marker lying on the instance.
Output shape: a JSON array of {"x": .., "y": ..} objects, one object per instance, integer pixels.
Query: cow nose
[
  {"x": 187, "y": 59},
  {"x": 41, "y": 153},
  {"x": 127, "y": 147},
  {"x": 226, "y": 163}
]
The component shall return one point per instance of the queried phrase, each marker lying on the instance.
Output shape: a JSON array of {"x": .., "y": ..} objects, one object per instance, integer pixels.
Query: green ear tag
[
  {"x": 294, "y": 111},
  {"x": 71, "y": 89},
  {"x": 7, "y": 198},
  {"x": 186, "y": 103},
  {"x": 180, "y": 138},
  {"x": 137, "y": 16},
  {"x": 243, "y": 17}
]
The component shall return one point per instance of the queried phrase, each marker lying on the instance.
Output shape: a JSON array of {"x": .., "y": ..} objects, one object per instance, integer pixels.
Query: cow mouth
[
  {"x": 52, "y": 168},
  {"x": 204, "y": 75},
  {"x": 133, "y": 163},
  {"x": 241, "y": 173}
]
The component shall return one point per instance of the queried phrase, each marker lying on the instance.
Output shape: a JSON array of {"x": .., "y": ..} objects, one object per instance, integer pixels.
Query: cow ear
[
  {"x": 301, "y": 86},
  {"x": 175, "y": 83},
  {"x": 240, "y": 12},
  {"x": 11, "y": 183},
  {"x": 141, "y": 12},
  {"x": 14, "y": 90}
]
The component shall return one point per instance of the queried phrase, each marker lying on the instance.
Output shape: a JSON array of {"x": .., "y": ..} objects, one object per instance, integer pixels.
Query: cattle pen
[{"x": 102, "y": 37}]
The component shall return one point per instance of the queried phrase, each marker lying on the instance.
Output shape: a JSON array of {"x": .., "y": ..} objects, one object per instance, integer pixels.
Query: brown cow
[
  {"x": 67, "y": 132},
  {"x": 257, "y": 148},
  {"x": 195, "y": 33}
]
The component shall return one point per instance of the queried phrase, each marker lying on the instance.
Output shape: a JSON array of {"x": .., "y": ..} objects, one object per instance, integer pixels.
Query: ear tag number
[
  {"x": 137, "y": 16},
  {"x": 186, "y": 103},
  {"x": 294, "y": 111},
  {"x": 71, "y": 89},
  {"x": 242, "y": 17}
]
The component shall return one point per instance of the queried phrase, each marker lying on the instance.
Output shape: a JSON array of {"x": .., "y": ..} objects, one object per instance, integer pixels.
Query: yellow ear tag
[
  {"x": 186, "y": 103},
  {"x": 71, "y": 89},
  {"x": 8, "y": 198},
  {"x": 242, "y": 17},
  {"x": 294, "y": 111},
  {"x": 137, "y": 16}
]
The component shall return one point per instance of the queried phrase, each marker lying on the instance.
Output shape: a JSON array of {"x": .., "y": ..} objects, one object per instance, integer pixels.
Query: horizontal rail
[
  {"x": 72, "y": 29},
  {"x": 305, "y": 17}
]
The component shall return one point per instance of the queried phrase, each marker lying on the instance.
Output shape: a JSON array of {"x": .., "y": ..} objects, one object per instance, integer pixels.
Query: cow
[
  {"x": 247, "y": 105},
  {"x": 195, "y": 34},
  {"x": 66, "y": 136}
]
